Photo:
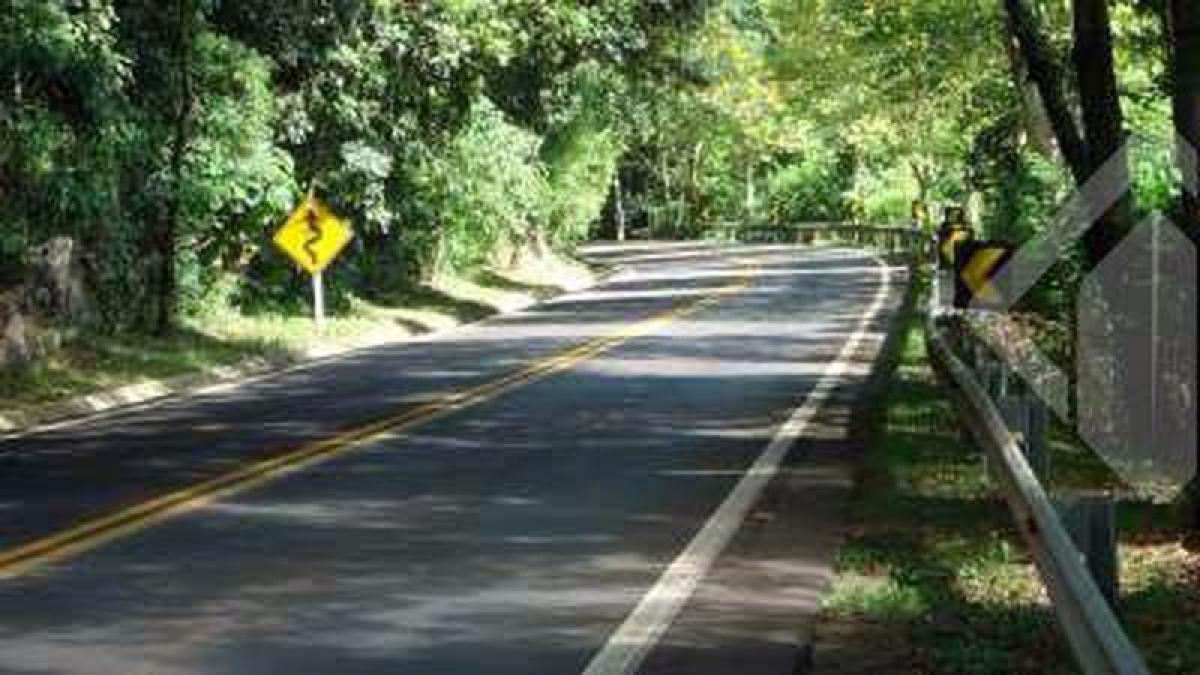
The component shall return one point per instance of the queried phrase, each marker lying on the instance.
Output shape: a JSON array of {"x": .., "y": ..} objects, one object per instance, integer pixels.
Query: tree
[
  {"x": 1183, "y": 31},
  {"x": 1102, "y": 135},
  {"x": 1182, "y": 26},
  {"x": 183, "y": 39},
  {"x": 1047, "y": 74}
]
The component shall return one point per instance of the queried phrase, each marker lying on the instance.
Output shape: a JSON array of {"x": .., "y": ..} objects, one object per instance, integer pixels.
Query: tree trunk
[
  {"x": 1102, "y": 119},
  {"x": 661, "y": 211},
  {"x": 693, "y": 188},
  {"x": 619, "y": 205},
  {"x": 921, "y": 176},
  {"x": 1103, "y": 135},
  {"x": 1047, "y": 74},
  {"x": 1183, "y": 29},
  {"x": 750, "y": 196},
  {"x": 1037, "y": 122},
  {"x": 169, "y": 231}
]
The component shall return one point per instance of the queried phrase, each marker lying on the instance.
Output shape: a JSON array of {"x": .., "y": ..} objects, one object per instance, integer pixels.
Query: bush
[
  {"x": 486, "y": 190},
  {"x": 580, "y": 170},
  {"x": 811, "y": 190}
]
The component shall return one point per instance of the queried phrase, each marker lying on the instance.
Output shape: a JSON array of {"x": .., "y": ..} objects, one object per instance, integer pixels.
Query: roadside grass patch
[
  {"x": 1160, "y": 578},
  {"x": 931, "y": 554},
  {"x": 86, "y": 363}
]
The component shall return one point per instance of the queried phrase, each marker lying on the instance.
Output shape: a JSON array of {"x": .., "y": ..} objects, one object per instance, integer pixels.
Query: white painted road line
[{"x": 637, "y": 636}]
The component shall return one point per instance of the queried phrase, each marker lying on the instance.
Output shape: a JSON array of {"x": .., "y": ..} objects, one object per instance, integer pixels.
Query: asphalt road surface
[{"x": 643, "y": 477}]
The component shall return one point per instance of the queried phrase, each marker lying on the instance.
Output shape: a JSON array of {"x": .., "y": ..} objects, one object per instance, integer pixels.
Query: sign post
[
  {"x": 312, "y": 237},
  {"x": 951, "y": 235},
  {"x": 318, "y": 288}
]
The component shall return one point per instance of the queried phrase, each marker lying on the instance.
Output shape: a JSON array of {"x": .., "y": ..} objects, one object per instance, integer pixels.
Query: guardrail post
[
  {"x": 1012, "y": 403},
  {"x": 945, "y": 288},
  {"x": 1037, "y": 444},
  {"x": 1090, "y": 519},
  {"x": 1026, "y": 418},
  {"x": 1001, "y": 387},
  {"x": 989, "y": 370}
]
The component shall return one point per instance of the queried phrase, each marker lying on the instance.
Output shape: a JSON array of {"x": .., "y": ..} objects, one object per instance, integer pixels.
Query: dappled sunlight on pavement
[{"x": 517, "y": 533}]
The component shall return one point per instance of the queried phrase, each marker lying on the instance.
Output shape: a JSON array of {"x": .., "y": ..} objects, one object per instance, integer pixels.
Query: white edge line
[{"x": 627, "y": 647}]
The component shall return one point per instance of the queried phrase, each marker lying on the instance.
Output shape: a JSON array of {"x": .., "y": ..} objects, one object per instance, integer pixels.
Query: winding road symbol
[{"x": 315, "y": 234}]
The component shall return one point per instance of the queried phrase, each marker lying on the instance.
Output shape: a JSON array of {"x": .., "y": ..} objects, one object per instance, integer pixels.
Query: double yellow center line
[{"x": 90, "y": 534}]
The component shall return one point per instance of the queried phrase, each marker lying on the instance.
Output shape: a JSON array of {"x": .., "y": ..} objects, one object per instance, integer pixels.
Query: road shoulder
[
  {"x": 148, "y": 392},
  {"x": 756, "y": 610}
]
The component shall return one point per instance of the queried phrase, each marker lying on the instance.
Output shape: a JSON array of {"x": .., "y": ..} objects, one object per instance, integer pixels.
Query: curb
[
  {"x": 24, "y": 420},
  {"x": 20, "y": 420}
]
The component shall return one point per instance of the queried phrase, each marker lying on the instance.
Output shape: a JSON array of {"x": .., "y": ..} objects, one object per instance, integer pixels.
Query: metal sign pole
[{"x": 318, "y": 284}]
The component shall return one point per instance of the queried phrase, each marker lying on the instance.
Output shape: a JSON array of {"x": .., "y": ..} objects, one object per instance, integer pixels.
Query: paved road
[{"x": 531, "y": 529}]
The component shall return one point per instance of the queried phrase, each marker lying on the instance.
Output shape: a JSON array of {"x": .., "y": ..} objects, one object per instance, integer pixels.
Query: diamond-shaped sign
[
  {"x": 313, "y": 235},
  {"x": 1136, "y": 357}
]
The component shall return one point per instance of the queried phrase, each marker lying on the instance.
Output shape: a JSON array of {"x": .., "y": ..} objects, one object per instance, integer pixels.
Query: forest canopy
[{"x": 169, "y": 138}]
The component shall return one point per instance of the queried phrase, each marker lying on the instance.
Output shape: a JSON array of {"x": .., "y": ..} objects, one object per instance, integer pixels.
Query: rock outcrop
[
  {"x": 19, "y": 341},
  {"x": 56, "y": 288},
  {"x": 55, "y": 292}
]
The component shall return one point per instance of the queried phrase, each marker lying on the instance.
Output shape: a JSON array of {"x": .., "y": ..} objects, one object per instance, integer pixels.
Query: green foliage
[
  {"x": 883, "y": 195},
  {"x": 61, "y": 136},
  {"x": 489, "y": 189},
  {"x": 453, "y": 132},
  {"x": 184, "y": 131},
  {"x": 580, "y": 168},
  {"x": 815, "y": 188},
  {"x": 238, "y": 183}
]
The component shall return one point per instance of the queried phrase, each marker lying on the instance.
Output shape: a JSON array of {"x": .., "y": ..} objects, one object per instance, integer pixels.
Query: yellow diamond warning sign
[{"x": 313, "y": 235}]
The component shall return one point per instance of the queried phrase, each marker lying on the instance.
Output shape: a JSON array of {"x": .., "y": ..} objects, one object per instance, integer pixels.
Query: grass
[
  {"x": 89, "y": 363},
  {"x": 932, "y": 559},
  {"x": 931, "y": 554}
]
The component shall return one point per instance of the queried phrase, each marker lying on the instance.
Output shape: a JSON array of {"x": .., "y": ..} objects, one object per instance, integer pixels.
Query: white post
[{"x": 318, "y": 285}]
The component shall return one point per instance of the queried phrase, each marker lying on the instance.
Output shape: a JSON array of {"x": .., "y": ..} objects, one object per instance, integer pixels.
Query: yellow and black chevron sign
[
  {"x": 948, "y": 242},
  {"x": 975, "y": 267},
  {"x": 920, "y": 213}
]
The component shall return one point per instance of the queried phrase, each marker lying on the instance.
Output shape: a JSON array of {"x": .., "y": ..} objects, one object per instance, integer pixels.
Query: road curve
[{"x": 512, "y": 529}]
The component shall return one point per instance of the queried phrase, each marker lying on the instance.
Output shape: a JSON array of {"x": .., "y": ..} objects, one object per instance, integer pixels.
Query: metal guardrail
[
  {"x": 889, "y": 238},
  {"x": 1096, "y": 637}
]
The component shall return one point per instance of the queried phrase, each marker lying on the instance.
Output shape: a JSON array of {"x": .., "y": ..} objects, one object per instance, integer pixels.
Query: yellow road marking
[{"x": 88, "y": 535}]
